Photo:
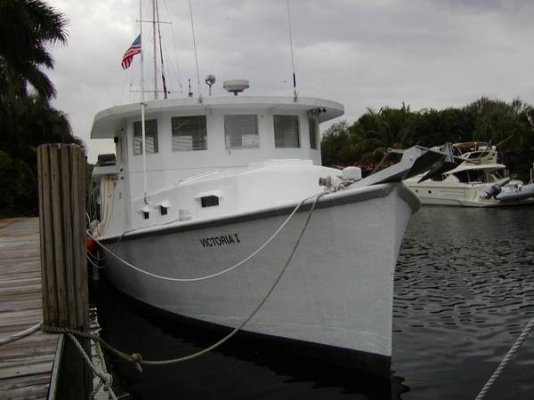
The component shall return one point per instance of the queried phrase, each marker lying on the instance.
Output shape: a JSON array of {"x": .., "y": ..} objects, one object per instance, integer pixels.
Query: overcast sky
[{"x": 361, "y": 53}]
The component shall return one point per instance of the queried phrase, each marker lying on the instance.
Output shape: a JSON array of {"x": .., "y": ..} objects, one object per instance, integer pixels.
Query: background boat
[{"x": 477, "y": 181}]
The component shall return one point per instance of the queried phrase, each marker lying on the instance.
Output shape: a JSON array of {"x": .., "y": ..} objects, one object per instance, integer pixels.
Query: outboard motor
[
  {"x": 494, "y": 190},
  {"x": 491, "y": 192}
]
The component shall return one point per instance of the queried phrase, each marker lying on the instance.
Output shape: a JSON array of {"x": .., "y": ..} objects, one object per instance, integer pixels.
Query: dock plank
[{"x": 26, "y": 364}]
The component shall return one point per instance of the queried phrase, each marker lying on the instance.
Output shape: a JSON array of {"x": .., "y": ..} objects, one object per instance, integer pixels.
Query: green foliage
[
  {"x": 27, "y": 28},
  {"x": 334, "y": 140},
  {"x": 508, "y": 125},
  {"x": 17, "y": 182}
]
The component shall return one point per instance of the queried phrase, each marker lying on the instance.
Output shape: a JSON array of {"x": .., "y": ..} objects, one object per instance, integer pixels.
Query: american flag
[{"x": 134, "y": 49}]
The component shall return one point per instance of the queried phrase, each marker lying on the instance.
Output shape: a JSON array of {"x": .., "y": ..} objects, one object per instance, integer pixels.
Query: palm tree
[
  {"x": 27, "y": 120},
  {"x": 378, "y": 131},
  {"x": 26, "y": 28}
]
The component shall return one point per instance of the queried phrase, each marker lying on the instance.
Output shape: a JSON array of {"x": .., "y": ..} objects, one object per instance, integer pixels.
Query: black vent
[
  {"x": 209, "y": 201},
  {"x": 106, "y": 159}
]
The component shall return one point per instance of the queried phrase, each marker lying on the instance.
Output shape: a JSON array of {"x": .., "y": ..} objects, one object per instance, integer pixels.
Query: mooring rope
[
  {"x": 96, "y": 263},
  {"x": 106, "y": 379},
  {"x": 201, "y": 278},
  {"x": 106, "y": 385},
  {"x": 22, "y": 334},
  {"x": 138, "y": 360},
  {"x": 134, "y": 357},
  {"x": 509, "y": 356}
]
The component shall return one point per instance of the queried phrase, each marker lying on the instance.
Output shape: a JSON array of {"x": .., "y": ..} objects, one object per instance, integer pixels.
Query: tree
[
  {"x": 334, "y": 140},
  {"x": 510, "y": 125},
  {"x": 16, "y": 179},
  {"x": 27, "y": 28},
  {"x": 379, "y": 131}
]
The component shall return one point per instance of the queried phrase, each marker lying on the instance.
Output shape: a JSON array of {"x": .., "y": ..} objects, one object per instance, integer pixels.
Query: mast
[
  {"x": 155, "y": 23},
  {"x": 163, "y": 82},
  {"x": 154, "y": 48},
  {"x": 143, "y": 133}
]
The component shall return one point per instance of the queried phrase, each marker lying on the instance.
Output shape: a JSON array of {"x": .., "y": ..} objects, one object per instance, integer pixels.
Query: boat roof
[
  {"x": 469, "y": 167},
  {"x": 470, "y": 145},
  {"x": 107, "y": 121}
]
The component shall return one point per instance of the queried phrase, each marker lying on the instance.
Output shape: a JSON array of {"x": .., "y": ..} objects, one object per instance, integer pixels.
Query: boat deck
[{"x": 26, "y": 364}]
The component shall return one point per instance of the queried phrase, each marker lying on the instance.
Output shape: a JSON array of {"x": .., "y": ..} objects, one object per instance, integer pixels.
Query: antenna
[
  {"x": 235, "y": 86},
  {"x": 163, "y": 80},
  {"x": 295, "y": 93},
  {"x": 195, "y": 47}
]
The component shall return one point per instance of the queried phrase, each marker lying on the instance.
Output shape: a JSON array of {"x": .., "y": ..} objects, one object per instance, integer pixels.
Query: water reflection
[
  {"x": 464, "y": 290},
  {"x": 241, "y": 369}
]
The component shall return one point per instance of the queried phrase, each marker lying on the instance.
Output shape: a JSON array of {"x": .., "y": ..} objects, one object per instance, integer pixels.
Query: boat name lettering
[{"x": 222, "y": 240}]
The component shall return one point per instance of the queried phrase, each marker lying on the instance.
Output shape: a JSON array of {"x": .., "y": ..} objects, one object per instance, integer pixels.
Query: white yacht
[
  {"x": 226, "y": 216},
  {"x": 478, "y": 181}
]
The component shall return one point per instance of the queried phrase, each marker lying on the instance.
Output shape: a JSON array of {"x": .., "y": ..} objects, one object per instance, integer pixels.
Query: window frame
[
  {"x": 202, "y": 133},
  {"x": 150, "y": 125},
  {"x": 281, "y": 142},
  {"x": 230, "y": 137},
  {"x": 313, "y": 127}
]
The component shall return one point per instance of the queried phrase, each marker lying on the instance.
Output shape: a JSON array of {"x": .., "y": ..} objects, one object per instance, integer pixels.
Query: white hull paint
[
  {"x": 337, "y": 291},
  {"x": 465, "y": 195},
  {"x": 478, "y": 181}
]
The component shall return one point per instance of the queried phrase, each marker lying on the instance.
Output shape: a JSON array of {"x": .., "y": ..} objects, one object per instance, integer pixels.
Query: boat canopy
[
  {"x": 470, "y": 167},
  {"x": 107, "y": 122}
]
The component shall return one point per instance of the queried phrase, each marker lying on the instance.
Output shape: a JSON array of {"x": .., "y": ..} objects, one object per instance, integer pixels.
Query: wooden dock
[{"x": 26, "y": 364}]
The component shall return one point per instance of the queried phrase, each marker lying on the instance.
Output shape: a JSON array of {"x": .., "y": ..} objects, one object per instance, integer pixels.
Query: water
[{"x": 464, "y": 289}]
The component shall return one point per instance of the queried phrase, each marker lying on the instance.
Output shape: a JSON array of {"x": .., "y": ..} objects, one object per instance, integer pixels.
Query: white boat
[
  {"x": 478, "y": 181},
  {"x": 230, "y": 184},
  {"x": 217, "y": 209}
]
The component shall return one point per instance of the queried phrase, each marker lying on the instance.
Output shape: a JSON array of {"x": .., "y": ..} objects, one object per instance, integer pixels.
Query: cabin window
[
  {"x": 314, "y": 132},
  {"x": 151, "y": 137},
  {"x": 189, "y": 133},
  {"x": 286, "y": 131},
  {"x": 241, "y": 131}
]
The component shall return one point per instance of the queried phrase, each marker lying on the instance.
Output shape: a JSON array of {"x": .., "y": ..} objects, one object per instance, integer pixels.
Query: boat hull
[
  {"x": 336, "y": 292},
  {"x": 464, "y": 195}
]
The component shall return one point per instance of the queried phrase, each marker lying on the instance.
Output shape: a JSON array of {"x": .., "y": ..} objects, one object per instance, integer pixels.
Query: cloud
[{"x": 368, "y": 53}]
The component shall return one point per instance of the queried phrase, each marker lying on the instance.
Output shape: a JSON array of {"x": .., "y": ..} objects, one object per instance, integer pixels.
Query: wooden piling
[
  {"x": 62, "y": 230},
  {"x": 27, "y": 365}
]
